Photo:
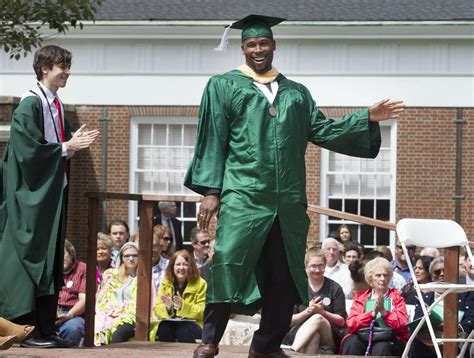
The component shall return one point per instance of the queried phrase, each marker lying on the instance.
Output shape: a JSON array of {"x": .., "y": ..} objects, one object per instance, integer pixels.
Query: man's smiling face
[{"x": 258, "y": 52}]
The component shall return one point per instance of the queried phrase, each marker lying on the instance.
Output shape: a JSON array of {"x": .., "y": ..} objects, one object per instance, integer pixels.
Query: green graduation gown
[
  {"x": 257, "y": 161},
  {"x": 32, "y": 213}
]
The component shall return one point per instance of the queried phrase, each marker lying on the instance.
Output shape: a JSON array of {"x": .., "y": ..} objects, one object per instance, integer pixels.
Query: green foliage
[{"x": 21, "y": 21}]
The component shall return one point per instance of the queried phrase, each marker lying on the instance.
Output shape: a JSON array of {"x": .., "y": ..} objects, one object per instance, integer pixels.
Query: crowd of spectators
[{"x": 350, "y": 290}]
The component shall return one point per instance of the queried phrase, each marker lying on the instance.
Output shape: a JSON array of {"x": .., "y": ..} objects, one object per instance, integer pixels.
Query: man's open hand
[{"x": 385, "y": 109}]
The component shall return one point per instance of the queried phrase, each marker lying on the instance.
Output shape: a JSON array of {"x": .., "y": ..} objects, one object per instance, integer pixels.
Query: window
[
  {"x": 361, "y": 186},
  {"x": 161, "y": 149}
]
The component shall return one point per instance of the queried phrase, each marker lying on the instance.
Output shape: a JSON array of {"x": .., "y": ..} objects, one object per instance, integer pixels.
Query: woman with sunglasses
[
  {"x": 422, "y": 346},
  {"x": 181, "y": 301},
  {"x": 116, "y": 301}
]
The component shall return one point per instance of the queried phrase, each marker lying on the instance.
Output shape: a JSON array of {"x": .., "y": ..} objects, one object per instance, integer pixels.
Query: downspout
[
  {"x": 103, "y": 185},
  {"x": 458, "y": 197}
]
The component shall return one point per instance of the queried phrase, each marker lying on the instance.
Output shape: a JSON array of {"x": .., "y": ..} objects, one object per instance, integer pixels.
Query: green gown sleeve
[
  {"x": 206, "y": 169},
  {"x": 352, "y": 135}
]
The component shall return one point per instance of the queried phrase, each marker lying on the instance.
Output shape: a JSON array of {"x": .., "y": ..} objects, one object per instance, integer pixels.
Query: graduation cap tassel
[{"x": 224, "y": 40}]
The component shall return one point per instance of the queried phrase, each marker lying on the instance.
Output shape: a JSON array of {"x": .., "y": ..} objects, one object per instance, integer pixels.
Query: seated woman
[
  {"x": 104, "y": 256},
  {"x": 422, "y": 345},
  {"x": 11, "y": 333},
  {"x": 378, "y": 306},
  {"x": 181, "y": 301},
  {"x": 422, "y": 273},
  {"x": 161, "y": 243},
  {"x": 116, "y": 301},
  {"x": 320, "y": 323},
  {"x": 359, "y": 283}
]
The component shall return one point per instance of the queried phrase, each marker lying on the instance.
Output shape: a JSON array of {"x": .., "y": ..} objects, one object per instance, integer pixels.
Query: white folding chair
[{"x": 439, "y": 234}]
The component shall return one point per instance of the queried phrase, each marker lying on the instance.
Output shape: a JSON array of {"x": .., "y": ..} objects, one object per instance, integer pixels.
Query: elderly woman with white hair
[{"x": 378, "y": 317}]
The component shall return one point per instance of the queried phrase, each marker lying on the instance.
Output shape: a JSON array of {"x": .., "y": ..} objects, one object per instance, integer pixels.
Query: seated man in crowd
[
  {"x": 161, "y": 243},
  {"x": 72, "y": 298},
  {"x": 336, "y": 270},
  {"x": 167, "y": 217},
  {"x": 399, "y": 264},
  {"x": 120, "y": 233},
  {"x": 200, "y": 239}
]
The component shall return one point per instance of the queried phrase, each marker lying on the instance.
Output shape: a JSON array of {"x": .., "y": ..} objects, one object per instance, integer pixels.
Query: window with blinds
[
  {"x": 162, "y": 157},
  {"x": 361, "y": 186},
  {"x": 160, "y": 153}
]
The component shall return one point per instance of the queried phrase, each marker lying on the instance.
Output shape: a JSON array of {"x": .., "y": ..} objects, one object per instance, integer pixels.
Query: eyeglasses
[
  {"x": 130, "y": 256},
  {"x": 167, "y": 238},
  {"x": 204, "y": 242},
  {"x": 319, "y": 267},
  {"x": 438, "y": 271}
]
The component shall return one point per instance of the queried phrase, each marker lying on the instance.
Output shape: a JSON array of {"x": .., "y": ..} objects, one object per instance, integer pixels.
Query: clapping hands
[
  {"x": 175, "y": 301},
  {"x": 168, "y": 301},
  {"x": 82, "y": 139},
  {"x": 315, "y": 306}
]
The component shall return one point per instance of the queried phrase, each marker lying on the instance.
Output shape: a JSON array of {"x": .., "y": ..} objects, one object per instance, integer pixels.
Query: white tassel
[{"x": 224, "y": 40}]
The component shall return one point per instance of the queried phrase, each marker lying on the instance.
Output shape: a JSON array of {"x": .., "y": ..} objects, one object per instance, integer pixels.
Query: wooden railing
[
  {"x": 144, "y": 275},
  {"x": 145, "y": 249}
]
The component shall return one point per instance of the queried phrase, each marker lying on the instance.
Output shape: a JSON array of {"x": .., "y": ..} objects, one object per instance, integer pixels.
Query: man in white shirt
[{"x": 335, "y": 269}]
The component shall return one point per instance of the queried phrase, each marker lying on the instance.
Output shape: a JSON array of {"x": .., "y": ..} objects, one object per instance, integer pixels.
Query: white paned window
[
  {"x": 363, "y": 187},
  {"x": 160, "y": 151}
]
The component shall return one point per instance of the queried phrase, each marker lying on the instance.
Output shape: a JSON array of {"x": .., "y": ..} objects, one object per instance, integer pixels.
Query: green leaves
[{"x": 21, "y": 21}]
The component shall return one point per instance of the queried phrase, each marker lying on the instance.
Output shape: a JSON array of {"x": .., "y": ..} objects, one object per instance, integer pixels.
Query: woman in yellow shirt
[{"x": 181, "y": 301}]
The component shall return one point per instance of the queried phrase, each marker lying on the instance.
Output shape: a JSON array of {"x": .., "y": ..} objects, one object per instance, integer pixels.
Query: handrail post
[
  {"x": 91, "y": 262},
  {"x": 144, "y": 277},
  {"x": 450, "y": 326}
]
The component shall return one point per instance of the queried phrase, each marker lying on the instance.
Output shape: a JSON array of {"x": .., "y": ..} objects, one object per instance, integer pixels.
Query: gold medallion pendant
[{"x": 272, "y": 110}]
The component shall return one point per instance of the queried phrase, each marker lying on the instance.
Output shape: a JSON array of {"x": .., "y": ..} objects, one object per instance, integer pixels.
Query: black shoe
[
  {"x": 61, "y": 343},
  {"x": 38, "y": 342}
]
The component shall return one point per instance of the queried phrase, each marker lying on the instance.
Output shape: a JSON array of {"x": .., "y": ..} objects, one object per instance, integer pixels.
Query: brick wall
[{"x": 426, "y": 165}]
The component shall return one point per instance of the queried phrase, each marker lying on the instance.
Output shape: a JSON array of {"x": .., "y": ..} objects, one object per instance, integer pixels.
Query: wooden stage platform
[{"x": 137, "y": 350}]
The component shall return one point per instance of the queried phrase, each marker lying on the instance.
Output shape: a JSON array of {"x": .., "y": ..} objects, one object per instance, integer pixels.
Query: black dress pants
[
  {"x": 354, "y": 347},
  {"x": 279, "y": 294},
  {"x": 43, "y": 318},
  {"x": 123, "y": 333},
  {"x": 44, "y": 315}
]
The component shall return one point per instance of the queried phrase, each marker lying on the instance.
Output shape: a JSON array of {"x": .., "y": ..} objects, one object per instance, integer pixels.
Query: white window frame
[
  {"x": 134, "y": 123},
  {"x": 323, "y": 220}
]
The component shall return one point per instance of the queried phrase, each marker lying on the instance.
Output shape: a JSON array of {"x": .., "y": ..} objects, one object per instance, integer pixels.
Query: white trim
[
  {"x": 393, "y": 182},
  {"x": 132, "y": 205}
]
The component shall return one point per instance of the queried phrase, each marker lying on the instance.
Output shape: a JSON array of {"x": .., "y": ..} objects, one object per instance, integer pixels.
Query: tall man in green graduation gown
[
  {"x": 35, "y": 180},
  {"x": 249, "y": 163}
]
